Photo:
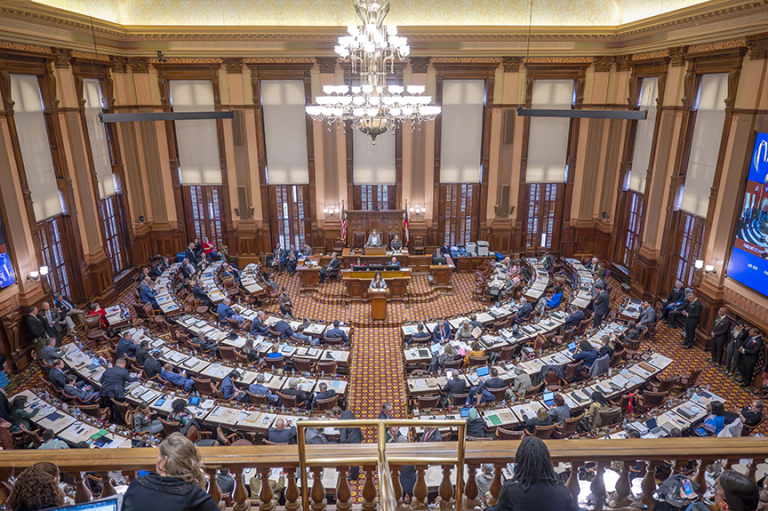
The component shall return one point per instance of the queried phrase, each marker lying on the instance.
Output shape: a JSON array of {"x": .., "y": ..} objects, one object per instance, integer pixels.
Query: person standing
[
  {"x": 733, "y": 353},
  {"x": 749, "y": 354},
  {"x": 602, "y": 305},
  {"x": 692, "y": 314},
  {"x": 720, "y": 330},
  {"x": 284, "y": 302}
]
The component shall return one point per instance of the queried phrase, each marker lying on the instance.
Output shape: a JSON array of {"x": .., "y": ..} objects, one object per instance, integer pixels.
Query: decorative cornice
[
  {"x": 91, "y": 56},
  {"x": 512, "y": 64},
  {"x": 677, "y": 56},
  {"x": 119, "y": 64},
  {"x": 419, "y": 64},
  {"x": 758, "y": 46},
  {"x": 558, "y": 60},
  {"x": 660, "y": 54},
  {"x": 603, "y": 64},
  {"x": 327, "y": 64},
  {"x": 623, "y": 62},
  {"x": 138, "y": 64},
  {"x": 465, "y": 60},
  {"x": 721, "y": 45},
  {"x": 281, "y": 60},
  {"x": 233, "y": 65},
  {"x": 63, "y": 56}
]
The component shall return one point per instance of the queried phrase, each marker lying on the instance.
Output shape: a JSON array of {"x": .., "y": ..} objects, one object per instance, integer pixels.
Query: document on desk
[{"x": 420, "y": 384}]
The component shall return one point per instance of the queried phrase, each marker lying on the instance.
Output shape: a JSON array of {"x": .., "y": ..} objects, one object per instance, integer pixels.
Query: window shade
[
  {"x": 461, "y": 131},
  {"x": 548, "y": 136},
  {"x": 641, "y": 156},
  {"x": 374, "y": 164},
  {"x": 285, "y": 131},
  {"x": 97, "y": 133},
  {"x": 705, "y": 144},
  {"x": 198, "y": 141},
  {"x": 35, "y": 146}
]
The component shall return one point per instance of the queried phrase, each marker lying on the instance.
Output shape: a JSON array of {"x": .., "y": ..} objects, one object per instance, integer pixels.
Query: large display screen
[
  {"x": 7, "y": 275},
  {"x": 749, "y": 259}
]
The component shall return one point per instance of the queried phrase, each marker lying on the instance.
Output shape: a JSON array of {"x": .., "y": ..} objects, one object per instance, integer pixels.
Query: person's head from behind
[
  {"x": 36, "y": 488},
  {"x": 585, "y": 346},
  {"x": 178, "y": 457},
  {"x": 542, "y": 414},
  {"x": 597, "y": 397},
  {"x": 178, "y": 405},
  {"x": 559, "y": 400},
  {"x": 144, "y": 407},
  {"x": 717, "y": 408},
  {"x": 533, "y": 464},
  {"x": 631, "y": 325},
  {"x": 736, "y": 492},
  {"x": 675, "y": 433},
  {"x": 19, "y": 402},
  {"x": 47, "y": 435}
]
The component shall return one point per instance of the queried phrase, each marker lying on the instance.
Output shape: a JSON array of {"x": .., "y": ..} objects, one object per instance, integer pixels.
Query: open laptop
[
  {"x": 548, "y": 398},
  {"x": 113, "y": 503},
  {"x": 653, "y": 427},
  {"x": 572, "y": 346},
  {"x": 465, "y": 412},
  {"x": 482, "y": 371}
]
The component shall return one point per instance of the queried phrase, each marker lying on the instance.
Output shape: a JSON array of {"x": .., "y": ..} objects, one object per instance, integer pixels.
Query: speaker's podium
[
  {"x": 378, "y": 303},
  {"x": 375, "y": 251}
]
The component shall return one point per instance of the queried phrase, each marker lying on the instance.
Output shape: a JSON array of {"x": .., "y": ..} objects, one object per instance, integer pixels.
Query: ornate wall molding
[
  {"x": 63, "y": 56},
  {"x": 327, "y": 64},
  {"x": 603, "y": 64},
  {"x": 119, "y": 64},
  {"x": 623, "y": 62},
  {"x": 512, "y": 64},
  {"x": 744, "y": 303},
  {"x": 758, "y": 46},
  {"x": 723, "y": 45},
  {"x": 419, "y": 64},
  {"x": 677, "y": 56},
  {"x": 233, "y": 65},
  {"x": 466, "y": 60},
  {"x": 138, "y": 64}
]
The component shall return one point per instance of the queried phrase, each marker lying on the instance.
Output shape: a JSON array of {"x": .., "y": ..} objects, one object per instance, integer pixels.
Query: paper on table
[{"x": 207, "y": 404}]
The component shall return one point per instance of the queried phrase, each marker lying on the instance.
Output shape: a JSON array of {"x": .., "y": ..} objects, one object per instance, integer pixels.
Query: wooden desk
[
  {"x": 469, "y": 264},
  {"x": 310, "y": 278},
  {"x": 357, "y": 283},
  {"x": 441, "y": 274},
  {"x": 373, "y": 255},
  {"x": 378, "y": 303}
]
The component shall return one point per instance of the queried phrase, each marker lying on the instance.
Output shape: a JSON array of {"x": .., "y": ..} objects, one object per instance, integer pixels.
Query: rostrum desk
[{"x": 356, "y": 283}]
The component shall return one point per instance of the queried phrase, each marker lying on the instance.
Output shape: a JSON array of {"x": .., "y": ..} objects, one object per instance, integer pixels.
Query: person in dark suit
[
  {"x": 445, "y": 250},
  {"x": 149, "y": 295},
  {"x": 279, "y": 434},
  {"x": 349, "y": 436},
  {"x": 431, "y": 435},
  {"x": 188, "y": 268},
  {"x": 160, "y": 267},
  {"x": 127, "y": 346},
  {"x": 574, "y": 319},
  {"x": 592, "y": 266},
  {"x": 153, "y": 366},
  {"x": 394, "y": 262},
  {"x": 229, "y": 391},
  {"x": 293, "y": 390},
  {"x": 199, "y": 293},
  {"x": 692, "y": 314},
  {"x": 387, "y": 411},
  {"x": 456, "y": 385},
  {"x": 333, "y": 265},
  {"x": 53, "y": 321},
  {"x": 323, "y": 394},
  {"x": 732, "y": 352},
  {"x": 278, "y": 258},
  {"x": 420, "y": 333},
  {"x": 257, "y": 325},
  {"x": 114, "y": 379},
  {"x": 675, "y": 298},
  {"x": 752, "y": 415},
  {"x": 283, "y": 328},
  {"x": 442, "y": 332},
  {"x": 226, "y": 482},
  {"x": 49, "y": 352},
  {"x": 749, "y": 354},
  {"x": 68, "y": 308},
  {"x": 494, "y": 382},
  {"x": 84, "y": 394},
  {"x": 721, "y": 327},
  {"x": 191, "y": 255},
  {"x": 56, "y": 375},
  {"x": 602, "y": 305},
  {"x": 524, "y": 312},
  {"x": 36, "y": 331},
  {"x": 142, "y": 353},
  {"x": 337, "y": 333}
]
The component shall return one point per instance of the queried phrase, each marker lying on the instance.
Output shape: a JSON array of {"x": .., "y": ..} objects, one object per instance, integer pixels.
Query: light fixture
[
  {"x": 709, "y": 268},
  {"x": 43, "y": 270},
  {"x": 699, "y": 264},
  {"x": 374, "y": 107},
  {"x": 35, "y": 274},
  {"x": 417, "y": 210},
  {"x": 331, "y": 210}
]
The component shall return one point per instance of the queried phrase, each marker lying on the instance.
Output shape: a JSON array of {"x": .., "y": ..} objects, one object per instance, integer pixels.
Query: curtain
[
  {"x": 285, "y": 131},
  {"x": 548, "y": 136},
  {"x": 97, "y": 133},
  {"x": 461, "y": 131},
  {"x": 641, "y": 156}
]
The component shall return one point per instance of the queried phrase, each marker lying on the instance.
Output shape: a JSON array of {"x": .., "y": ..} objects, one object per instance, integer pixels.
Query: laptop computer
[
  {"x": 483, "y": 371},
  {"x": 572, "y": 346},
  {"x": 548, "y": 398},
  {"x": 465, "y": 412},
  {"x": 113, "y": 503}
]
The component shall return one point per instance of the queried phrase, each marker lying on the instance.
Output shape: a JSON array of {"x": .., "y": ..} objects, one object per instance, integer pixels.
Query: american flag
[
  {"x": 343, "y": 225},
  {"x": 405, "y": 227}
]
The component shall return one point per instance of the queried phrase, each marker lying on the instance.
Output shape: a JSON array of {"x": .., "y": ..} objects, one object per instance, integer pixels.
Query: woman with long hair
[
  {"x": 378, "y": 282},
  {"x": 177, "y": 484},
  {"x": 36, "y": 488},
  {"x": 535, "y": 486},
  {"x": 250, "y": 351}
]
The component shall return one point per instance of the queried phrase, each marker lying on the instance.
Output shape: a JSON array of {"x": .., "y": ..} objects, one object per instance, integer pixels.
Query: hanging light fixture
[{"x": 373, "y": 107}]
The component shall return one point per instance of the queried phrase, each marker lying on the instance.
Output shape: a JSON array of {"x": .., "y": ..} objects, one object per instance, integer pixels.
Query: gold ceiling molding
[
  {"x": 722, "y": 45},
  {"x": 603, "y": 64},
  {"x": 26, "y": 48},
  {"x": 465, "y": 60},
  {"x": 651, "y": 55},
  {"x": 558, "y": 60},
  {"x": 279, "y": 60},
  {"x": 91, "y": 56}
]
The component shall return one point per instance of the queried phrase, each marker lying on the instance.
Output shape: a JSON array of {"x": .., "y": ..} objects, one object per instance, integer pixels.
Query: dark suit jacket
[
  {"x": 284, "y": 329},
  {"x": 324, "y": 395},
  {"x": 443, "y": 328},
  {"x": 675, "y": 296},
  {"x": 282, "y": 436},
  {"x": 141, "y": 355},
  {"x": 721, "y": 329},
  {"x": 337, "y": 333},
  {"x": 494, "y": 383},
  {"x": 694, "y": 312},
  {"x": 455, "y": 386},
  {"x": 65, "y": 304},
  {"x": 525, "y": 310},
  {"x": 752, "y": 346},
  {"x": 258, "y": 328},
  {"x": 350, "y": 435},
  {"x": 186, "y": 270},
  {"x": 55, "y": 318},
  {"x": 58, "y": 378},
  {"x": 113, "y": 382},
  {"x": 189, "y": 254},
  {"x": 738, "y": 338},
  {"x": 152, "y": 367},
  {"x": 199, "y": 293},
  {"x": 333, "y": 264},
  {"x": 574, "y": 319},
  {"x": 301, "y": 396},
  {"x": 602, "y": 303},
  {"x": 435, "y": 436},
  {"x": 35, "y": 327}
]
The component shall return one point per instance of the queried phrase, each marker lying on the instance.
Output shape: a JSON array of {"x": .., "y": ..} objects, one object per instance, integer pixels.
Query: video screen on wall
[
  {"x": 749, "y": 258},
  {"x": 7, "y": 276}
]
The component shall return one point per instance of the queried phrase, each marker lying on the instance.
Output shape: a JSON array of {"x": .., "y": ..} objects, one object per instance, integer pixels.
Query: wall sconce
[
  {"x": 331, "y": 210},
  {"x": 699, "y": 264},
  {"x": 35, "y": 274},
  {"x": 709, "y": 269},
  {"x": 417, "y": 210}
]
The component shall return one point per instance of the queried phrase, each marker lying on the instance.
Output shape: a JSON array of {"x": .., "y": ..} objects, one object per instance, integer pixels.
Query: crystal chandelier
[{"x": 373, "y": 107}]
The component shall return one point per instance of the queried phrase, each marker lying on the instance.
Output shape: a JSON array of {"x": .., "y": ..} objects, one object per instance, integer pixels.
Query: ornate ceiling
[{"x": 296, "y": 13}]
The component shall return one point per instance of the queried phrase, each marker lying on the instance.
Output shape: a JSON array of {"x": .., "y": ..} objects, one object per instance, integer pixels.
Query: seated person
[
  {"x": 257, "y": 325},
  {"x": 200, "y": 294},
  {"x": 598, "y": 403},
  {"x": 474, "y": 323},
  {"x": 188, "y": 268},
  {"x": 57, "y": 376},
  {"x": 673, "y": 300},
  {"x": 291, "y": 262},
  {"x": 229, "y": 391},
  {"x": 274, "y": 352},
  {"x": 258, "y": 388},
  {"x": 142, "y": 352},
  {"x": 442, "y": 332},
  {"x": 522, "y": 382},
  {"x": 206, "y": 345},
  {"x": 152, "y": 365},
  {"x": 160, "y": 267},
  {"x": 396, "y": 243},
  {"x": 465, "y": 331},
  {"x": 445, "y": 250},
  {"x": 494, "y": 382},
  {"x": 279, "y": 435},
  {"x": 149, "y": 295},
  {"x": 542, "y": 418},
  {"x": 306, "y": 250},
  {"x": 228, "y": 271},
  {"x": 204, "y": 262},
  {"x": 717, "y": 419},
  {"x": 524, "y": 312},
  {"x": 547, "y": 260},
  {"x": 374, "y": 239},
  {"x": 84, "y": 394},
  {"x": 394, "y": 262},
  {"x": 127, "y": 346},
  {"x": 284, "y": 329},
  {"x": 574, "y": 319},
  {"x": 559, "y": 411},
  {"x": 476, "y": 351},
  {"x": 752, "y": 415},
  {"x": 508, "y": 289},
  {"x": 456, "y": 385},
  {"x": 378, "y": 282},
  {"x": 586, "y": 353},
  {"x": 554, "y": 301},
  {"x": 337, "y": 333},
  {"x": 96, "y": 310},
  {"x": 226, "y": 312},
  {"x": 180, "y": 380},
  {"x": 608, "y": 347},
  {"x": 284, "y": 302},
  {"x": 49, "y": 352},
  {"x": 299, "y": 335},
  {"x": 631, "y": 333},
  {"x": 358, "y": 264},
  {"x": 249, "y": 350},
  {"x": 448, "y": 355},
  {"x": 293, "y": 390},
  {"x": 323, "y": 393},
  {"x": 479, "y": 396},
  {"x": 420, "y": 333},
  {"x": 333, "y": 265},
  {"x": 647, "y": 315}
]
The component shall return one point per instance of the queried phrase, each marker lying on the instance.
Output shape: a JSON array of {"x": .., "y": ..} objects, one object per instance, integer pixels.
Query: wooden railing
[{"x": 676, "y": 451}]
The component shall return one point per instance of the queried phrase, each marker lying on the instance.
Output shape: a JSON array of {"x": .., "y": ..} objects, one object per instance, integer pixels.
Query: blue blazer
[
  {"x": 337, "y": 333},
  {"x": 284, "y": 329},
  {"x": 126, "y": 347},
  {"x": 258, "y": 328},
  {"x": 148, "y": 295},
  {"x": 228, "y": 388},
  {"x": 444, "y": 329},
  {"x": 113, "y": 382},
  {"x": 225, "y": 311}
]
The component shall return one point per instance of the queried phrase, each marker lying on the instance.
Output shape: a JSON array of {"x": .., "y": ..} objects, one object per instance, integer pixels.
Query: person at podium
[
  {"x": 374, "y": 239},
  {"x": 396, "y": 244},
  {"x": 378, "y": 282}
]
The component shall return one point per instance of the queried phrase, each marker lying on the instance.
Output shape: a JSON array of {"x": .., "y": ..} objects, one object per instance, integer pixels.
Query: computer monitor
[
  {"x": 391, "y": 267},
  {"x": 375, "y": 267},
  {"x": 436, "y": 261},
  {"x": 482, "y": 371},
  {"x": 113, "y": 503}
]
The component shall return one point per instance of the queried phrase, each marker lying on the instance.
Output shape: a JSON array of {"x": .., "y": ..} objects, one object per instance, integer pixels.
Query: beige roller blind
[
  {"x": 285, "y": 131},
  {"x": 198, "y": 141},
  {"x": 641, "y": 156},
  {"x": 705, "y": 143},
  {"x": 35, "y": 146},
  {"x": 461, "y": 131},
  {"x": 548, "y": 136},
  {"x": 374, "y": 163},
  {"x": 97, "y": 133}
]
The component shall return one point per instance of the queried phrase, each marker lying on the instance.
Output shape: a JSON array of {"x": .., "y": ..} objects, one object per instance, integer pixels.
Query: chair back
[
  {"x": 454, "y": 364},
  {"x": 113, "y": 355},
  {"x": 544, "y": 432},
  {"x": 287, "y": 400},
  {"x": 615, "y": 359},
  {"x": 93, "y": 322},
  {"x": 506, "y": 353},
  {"x": 667, "y": 384},
  {"x": 654, "y": 399},
  {"x": 327, "y": 404},
  {"x": 583, "y": 326},
  {"x": 303, "y": 365},
  {"x": 607, "y": 417},
  {"x": 205, "y": 386},
  {"x": 459, "y": 399},
  {"x": 534, "y": 390},
  {"x": 257, "y": 399},
  {"x": 427, "y": 402},
  {"x": 274, "y": 363},
  {"x": 498, "y": 393},
  {"x": 570, "y": 371},
  {"x": 241, "y": 358},
  {"x": 570, "y": 426},
  {"x": 92, "y": 410},
  {"x": 267, "y": 442},
  {"x": 170, "y": 426},
  {"x": 227, "y": 353},
  {"x": 122, "y": 407},
  {"x": 478, "y": 361},
  {"x": 327, "y": 366},
  {"x": 333, "y": 341},
  {"x": 506, "y": 434},
  {"x": 693, "y": 378}
]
